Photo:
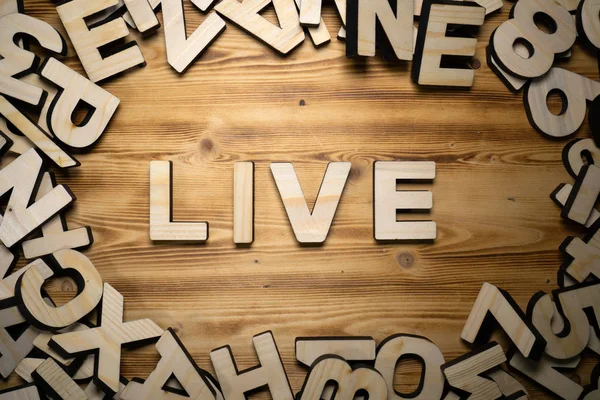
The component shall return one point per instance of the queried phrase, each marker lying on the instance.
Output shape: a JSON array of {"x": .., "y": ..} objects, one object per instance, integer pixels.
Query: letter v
[{"x": 182, "y": 51}]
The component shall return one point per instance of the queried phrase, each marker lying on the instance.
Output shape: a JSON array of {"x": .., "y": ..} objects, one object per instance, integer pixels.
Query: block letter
[
  {"x": 162, "y": 226},
  {"x": 311, "y": 227},
  {"x": 182, "y": 51},
  {"x": 328, "y": 369},
  {"x": 283, "y": 39},
  {"x": 465, "y": 373},
  {"x": 497, "y": 303},
  {"x": 73, "y": 89},
  {"x": 38, "y": 312},
  {"x": 433, "y": 44},
  {"x": 270, "y": 372},
  {"x": 88, "y": 41},
  {"x": 19, "y": 178},
  {"x": 243, "y": 202},
  {"x": 387, "y": 201},
  {"x": 395, "y": 38},
  {"x": 107, "y": 339},
  {"x": 397, "y": 347}
]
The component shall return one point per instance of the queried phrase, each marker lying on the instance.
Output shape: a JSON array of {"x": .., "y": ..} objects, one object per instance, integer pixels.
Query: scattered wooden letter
[
  {"x": 397, "y": 347},
  {"x": 88, "y": 41},
  {"x": 330, "y": 368},
  {"x": 162, "y": 226},
  {"x": 56, "y": 383},
  {"x": 584, "y": 195},
  {"x": 582, "y": 257},
  {"x": 55, "y": 233},
  {"x": 351, "y": 348},
  {"x": 175, "y": 361},
  {"x": 283, "y": 39},
  {"x": 560, "y": 195},
  {"x": 571, "y": 303},
  {"x": 311, "y": 227},
  {"x": 38, "y": 137},
  {"x": 17, "y": 61},
  {"x": 21, "y": 217},
  {"x": 541, "y": 46},
  {"x": 25, "y": 392},
  {"x": 513, "y": 83},
  {"x": 26, "y": 367},
  {"x": 143, "y": 16},
  {"x": 182, "y": 51},
  {"x": 107, "y": 339},
  {"x": 243, "y": 202},
  {"x": 574, "y": 153},
  {"x": 44, "y": 316},
  {"x": 544, "y": 373},
  {"x": 387, "y": 201},
  {"x": 433, "y": 44},
  {"x": 74, "y": 89},
  {"x": 588, "y": 23},
  {"x": 497, "y": 303},
  {"x": 270, "y": 373},
  {"x": 575, "y": 90},
  {"x": 510, "y": 387},
  {"x": 13, "y": 350},
  {"x": 395, "y": 38},
  {"x": 465, "y": 373}
]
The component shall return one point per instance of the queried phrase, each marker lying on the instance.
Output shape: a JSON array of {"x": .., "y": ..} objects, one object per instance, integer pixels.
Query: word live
[{"x": 309, "y": 227}]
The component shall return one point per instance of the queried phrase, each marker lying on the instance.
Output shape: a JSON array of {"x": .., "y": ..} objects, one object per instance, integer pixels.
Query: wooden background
[{"x": 241, "y": 101}]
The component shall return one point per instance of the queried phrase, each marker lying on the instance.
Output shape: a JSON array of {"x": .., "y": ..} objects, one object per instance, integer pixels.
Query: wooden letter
[
  {"x": 87, "y": 41},
  {"x": 38, "y": 312},
  {"x": 397, "y": 347},
  {"x": 36, "y": 135},
  {"x": 175, "y": 361},
  {"x": 327, "y": 369},
  {"x": 561, "y": 194},
  {"x": 350, "y": 348},
  {"x": 162, "y": 226},
  {"x": 543, "y": 373},
  {"x": 309, "y": 349},
  {"x": 181, "y": 52},
  {"x": 311, "y": 227},
  {"x": 143, "y": 15},
  {"x": 433, "y": 44},
  {"x": 582, "y": 257},
  {"x": 571, "y": 303},
  {"x": 13, "y": 350},
  {"x": 283, "y": 39},
  {"x": 574, "y": 90},
  {"x": 74, "y": 88},
  {"x": 20, "y": 219},
  {"x": 464, "y": 372},
  {"x": 55, "y": 233},
  {"x": 588, "y": 22},
  {"x": 540, "y": 46},
  {"x": 584, "y": 195},
  {"x": 17, "y": 62},
  {"x": 387, "y": 201},
  {"x": 51, "y": 377},
  {"x": 497, "y": 303},
  {"x": 574, "y": 153},
  {"x": 270, "y": 372},
  {"x": 107, "y": 339},
  {"x": 25, "y": 392},
  {"x": 395, "y": 38},
  {"x": 243, "y": 202}
]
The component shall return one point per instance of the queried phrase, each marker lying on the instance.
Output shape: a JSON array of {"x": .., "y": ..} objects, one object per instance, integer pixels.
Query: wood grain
[{"x": 241, "y": 101}]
